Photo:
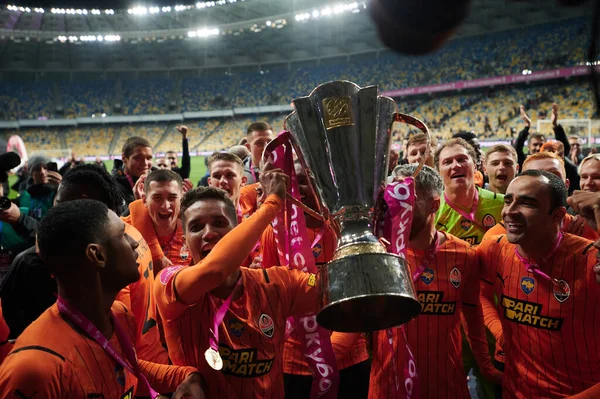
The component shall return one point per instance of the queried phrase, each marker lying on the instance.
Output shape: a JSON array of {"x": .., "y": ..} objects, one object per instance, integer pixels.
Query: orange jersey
[
  {"x": 294, "y": 361},
  {"x": 445, "y": 289},
  {"x": 248, "y": 200},
  {"x": 588, "y": 232},
  {"x": 171, "y": 247},
  {"x": 53, "y": 359},
  {"x": 550, "y": 335},
  {"x": 139, "y": 299},
  {"x": 250, "y": 337},
  {"x": 140, "y": 219},
  {"x": 5, "y": 345}
]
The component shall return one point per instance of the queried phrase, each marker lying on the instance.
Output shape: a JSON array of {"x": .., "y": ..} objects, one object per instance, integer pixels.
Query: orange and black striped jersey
[{"x": 550, "y": 330}]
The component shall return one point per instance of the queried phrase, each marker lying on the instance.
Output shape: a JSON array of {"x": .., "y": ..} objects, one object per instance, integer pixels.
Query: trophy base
[{"x": 366, "y": 292}]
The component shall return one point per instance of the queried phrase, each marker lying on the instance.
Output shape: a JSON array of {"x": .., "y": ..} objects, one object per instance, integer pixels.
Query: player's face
[
  {"x": 590, "y": 176},
  {"x": 172, "y": 159},
  {"x": 535, "y": 145},
  {"x": 575, "y": 145},
  {"x": 121, "y": 255},
  {"x": 423, "y": 210},
  {"x": 549, "y": 165},
  {"x": 306, "y": 196},
  {"x": 40, "y": 174},
  {"x": 258, "y": 141},
  {"x": 163, "y": 200},
  {"x": 501, "y": 169},
  {"x": 260, "y": 195},
  {"x": 162, "y": 163},
  {"x": 456, "y": 167},
  {"x": 416, "y": 152},
  {"x": 206, "y": 224},
  {"x": 526, "y": 211},
  {"x": 139, "y": 162},
  {"x": 227, "y": 176}
]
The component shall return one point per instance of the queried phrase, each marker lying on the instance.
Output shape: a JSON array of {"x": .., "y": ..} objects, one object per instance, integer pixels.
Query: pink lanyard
[
  {"x": 471, "y": 214},
  {"x": 130, "y": 180},
  {"x": 130, "y": 364},
  {"x": 429, "y": 257},
  {"x": 534, "y": 267},
  {"x": 213, "y": 358}
]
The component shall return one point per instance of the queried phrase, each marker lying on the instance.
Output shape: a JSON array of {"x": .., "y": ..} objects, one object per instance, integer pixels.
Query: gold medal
[{"x": 213, "y": 359}]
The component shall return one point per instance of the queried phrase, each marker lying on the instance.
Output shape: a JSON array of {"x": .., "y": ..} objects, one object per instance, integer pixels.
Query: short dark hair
[
  {"x": 133, "y": 142},
  {"x": 537, "y": 136},
  {"x": 224, "y": 156},
  {"x": 558, "y": 189},
  {"x": 67, "y": 229},
  {"x": 98, "y": 182},
  {"x": 258, "y": 127},
  {"x": 208, "y": 193},
  {"x": 162, "y": 176}
]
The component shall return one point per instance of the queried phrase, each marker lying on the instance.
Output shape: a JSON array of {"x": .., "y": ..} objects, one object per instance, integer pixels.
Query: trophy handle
[
  {"x": 287, "y": 138},
  {"x": 411, "y": 120}
]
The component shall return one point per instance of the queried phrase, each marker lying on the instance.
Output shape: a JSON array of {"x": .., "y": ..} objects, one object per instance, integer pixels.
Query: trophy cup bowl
[{"x": 341, "y": 133}]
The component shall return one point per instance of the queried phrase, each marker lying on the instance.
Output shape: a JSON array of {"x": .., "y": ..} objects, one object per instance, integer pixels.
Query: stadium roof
[{"x": 250, "y": 33}]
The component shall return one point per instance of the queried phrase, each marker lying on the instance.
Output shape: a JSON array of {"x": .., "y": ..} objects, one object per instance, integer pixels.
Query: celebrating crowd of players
[{"x": 102, "y": 306}]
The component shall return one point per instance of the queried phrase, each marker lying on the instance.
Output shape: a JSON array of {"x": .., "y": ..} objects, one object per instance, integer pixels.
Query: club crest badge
[
  {"x": 465, "y": 224},
  {"x": 236, "y": 327},
  {"x": 562, "y": 291},
  {"x": 489, "y": 221},
  {"x": 427, "y": 276},
  {"x": 266, "y": 325},
  {"x": 317, "y": 250},
  {"x": 455, "y": 277},
  {"x": 527, "y": 285}
]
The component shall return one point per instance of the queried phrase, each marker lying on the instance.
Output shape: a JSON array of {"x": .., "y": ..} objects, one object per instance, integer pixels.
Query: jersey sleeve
[
  {"x": 268, "y": 248},
  {"x": 32, "y": 374},
  {"x": 343, "y": 343},
  {"x": 162, "y": 377},
  {"x": 472, "y": 320},
  {"x": 190, "y": 284},
  {"x": 140, "y": 220},
  {"x": 124, "y": 296},
  {"x": 300, "y": 292}
]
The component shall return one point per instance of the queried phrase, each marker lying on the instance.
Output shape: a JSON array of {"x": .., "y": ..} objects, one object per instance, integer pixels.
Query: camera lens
[{"x": 4, "y": 203}]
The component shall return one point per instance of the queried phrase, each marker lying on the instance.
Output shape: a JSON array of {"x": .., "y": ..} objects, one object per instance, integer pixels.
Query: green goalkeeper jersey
[{"x": 487, "y": 215}]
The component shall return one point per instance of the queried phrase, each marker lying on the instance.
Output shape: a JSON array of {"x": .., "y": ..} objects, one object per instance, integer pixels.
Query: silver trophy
[{"x": 342, "y": 136}]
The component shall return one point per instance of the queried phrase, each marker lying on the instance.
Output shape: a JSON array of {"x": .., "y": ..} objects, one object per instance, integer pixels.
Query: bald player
[{"x": 546, "y": 286}]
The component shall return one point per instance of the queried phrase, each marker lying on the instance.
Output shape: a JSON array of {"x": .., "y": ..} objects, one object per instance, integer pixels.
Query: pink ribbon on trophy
[
  {"x": 400, "y": 199},
  {"x": 294, "y": 249}
]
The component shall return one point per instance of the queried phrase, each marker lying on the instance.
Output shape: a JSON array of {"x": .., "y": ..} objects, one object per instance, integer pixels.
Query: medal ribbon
[
  {"x": 218, "y": 319},
  {"x": 130, "y": 361},
  {"x": 293, "y": 249},
  {"x": 400, "y": 199},
  {"x": 462, "y": 212},
  {"x": 534, "y": 267}
]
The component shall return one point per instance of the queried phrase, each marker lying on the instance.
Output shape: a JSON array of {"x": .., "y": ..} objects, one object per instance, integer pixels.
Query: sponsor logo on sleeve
[{"x": 168, "y": 273}]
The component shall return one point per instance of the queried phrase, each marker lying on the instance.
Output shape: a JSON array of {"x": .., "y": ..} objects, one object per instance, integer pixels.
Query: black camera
[{"x": 5, "y": 203}]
